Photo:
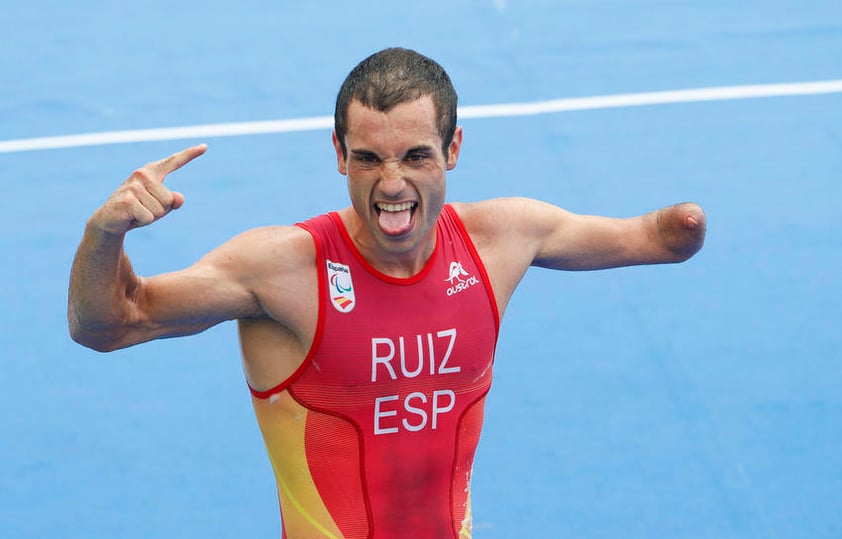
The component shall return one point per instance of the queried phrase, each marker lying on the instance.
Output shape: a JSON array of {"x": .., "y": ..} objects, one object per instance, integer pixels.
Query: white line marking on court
[{"x": 721, "y": 93}]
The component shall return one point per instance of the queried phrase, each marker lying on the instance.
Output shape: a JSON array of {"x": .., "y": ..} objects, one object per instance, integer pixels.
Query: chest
[{"x": 400, "y": 355}]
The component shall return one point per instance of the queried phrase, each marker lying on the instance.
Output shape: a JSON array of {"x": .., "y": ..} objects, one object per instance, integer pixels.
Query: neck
[{"x": 396, "y": 261}]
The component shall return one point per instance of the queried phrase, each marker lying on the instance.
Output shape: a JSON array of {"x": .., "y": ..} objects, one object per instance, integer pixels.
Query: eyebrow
[
  {"x": 362, "y": 152},
  {"x": 421, "y": 148}
]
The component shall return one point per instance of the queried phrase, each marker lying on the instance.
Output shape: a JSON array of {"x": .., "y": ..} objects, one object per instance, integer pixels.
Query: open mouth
[{"x": 395, "y": 219}]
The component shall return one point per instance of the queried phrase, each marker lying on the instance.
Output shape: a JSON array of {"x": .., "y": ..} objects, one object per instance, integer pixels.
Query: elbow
[
  {"x": 98, "y": 340},
  {"x": 98, "y": 346},
  {"x": 92, "y": 341}
]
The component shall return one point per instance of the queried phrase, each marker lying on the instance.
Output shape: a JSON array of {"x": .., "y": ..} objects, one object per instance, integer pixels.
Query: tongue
[{"x": 395, "y": 222}]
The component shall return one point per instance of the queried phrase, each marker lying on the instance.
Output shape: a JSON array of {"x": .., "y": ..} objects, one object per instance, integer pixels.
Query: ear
[
  {"x": 340, "y": 156},
  {"x": 454, "y": 147}
]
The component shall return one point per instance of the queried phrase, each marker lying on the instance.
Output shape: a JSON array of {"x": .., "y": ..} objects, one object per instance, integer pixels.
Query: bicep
[
  {"x": 200, "y": 296},
  {"x": 189, "y": 301},
  {"x": 589, "y": 242},
  {"x": 560, "y": 239}
]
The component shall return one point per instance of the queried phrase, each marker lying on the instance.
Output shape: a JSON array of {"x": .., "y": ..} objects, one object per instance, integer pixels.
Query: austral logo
[
  {"x": 459, "y": 279},
  {"x": 340, "y": 286}
]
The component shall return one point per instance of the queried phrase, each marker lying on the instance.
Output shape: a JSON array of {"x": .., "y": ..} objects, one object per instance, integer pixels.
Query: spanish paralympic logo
[
  {"x": 336, "y": 283},
  {"x": 341, "y": 287}
]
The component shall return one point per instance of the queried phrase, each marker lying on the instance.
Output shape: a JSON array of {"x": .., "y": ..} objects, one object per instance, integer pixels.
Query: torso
[
  {"x": 417, "y": 383},
  {"x": 275, "y": 346}
]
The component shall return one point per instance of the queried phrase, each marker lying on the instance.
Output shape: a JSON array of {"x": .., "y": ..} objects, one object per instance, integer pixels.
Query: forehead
[{"x": 412, "y": 123}]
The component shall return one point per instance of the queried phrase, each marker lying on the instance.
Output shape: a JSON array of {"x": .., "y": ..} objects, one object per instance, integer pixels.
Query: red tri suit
[{"x": 374, "y": 435}]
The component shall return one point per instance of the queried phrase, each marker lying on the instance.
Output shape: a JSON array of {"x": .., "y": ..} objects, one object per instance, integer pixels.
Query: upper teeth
[{"x": 395, "y": 207}]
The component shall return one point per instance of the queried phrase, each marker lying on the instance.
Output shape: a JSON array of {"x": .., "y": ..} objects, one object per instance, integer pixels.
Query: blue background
[{"x": 702, "y": 400}]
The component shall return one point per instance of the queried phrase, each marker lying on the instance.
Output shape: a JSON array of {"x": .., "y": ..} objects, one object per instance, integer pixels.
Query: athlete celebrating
[{"x": 367, "y": 333}]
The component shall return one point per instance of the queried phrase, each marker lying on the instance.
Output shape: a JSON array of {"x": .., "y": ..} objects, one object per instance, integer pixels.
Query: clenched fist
[{"x": 143, "y": 199}]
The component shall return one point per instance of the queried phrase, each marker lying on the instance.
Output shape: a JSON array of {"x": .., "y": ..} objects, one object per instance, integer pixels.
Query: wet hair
[{"x": 394, "y": 76}]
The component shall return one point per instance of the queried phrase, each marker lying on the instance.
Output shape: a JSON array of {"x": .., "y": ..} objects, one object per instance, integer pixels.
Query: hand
[
  {"x": 683, "y": 228},
  {"x": 143, "y": 199}
]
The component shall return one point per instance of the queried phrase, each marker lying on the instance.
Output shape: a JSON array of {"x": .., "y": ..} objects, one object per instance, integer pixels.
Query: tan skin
[{"x": 266, "y": 278}]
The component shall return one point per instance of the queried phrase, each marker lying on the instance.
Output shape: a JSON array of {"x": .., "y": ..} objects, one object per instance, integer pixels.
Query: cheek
[
  {"x": 358, "y": 189},
  {"x": 436, "y": 190}
]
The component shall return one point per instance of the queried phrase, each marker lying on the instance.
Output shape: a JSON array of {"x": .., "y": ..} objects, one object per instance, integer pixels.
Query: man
[{"x": 367, "y": 334}]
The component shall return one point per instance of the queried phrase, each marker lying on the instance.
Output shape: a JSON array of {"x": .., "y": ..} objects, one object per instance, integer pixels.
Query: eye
[
  {"x": 366, "y": 159},
  {"x": 416, "y": 158}
]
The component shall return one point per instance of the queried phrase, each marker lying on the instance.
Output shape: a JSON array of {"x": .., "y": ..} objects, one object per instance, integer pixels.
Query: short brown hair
[{"x": 394, "y": 76}]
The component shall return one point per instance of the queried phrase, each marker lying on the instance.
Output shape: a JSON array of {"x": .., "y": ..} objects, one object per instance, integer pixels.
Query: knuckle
[
  {"x": 144, "y": 218},
  {"x": 158, "y": 211},
  {"x": 143, "y": 173}
]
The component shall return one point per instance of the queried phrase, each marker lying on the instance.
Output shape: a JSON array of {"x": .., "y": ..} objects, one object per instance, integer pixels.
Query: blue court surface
[{"x": 701, "y": 400}]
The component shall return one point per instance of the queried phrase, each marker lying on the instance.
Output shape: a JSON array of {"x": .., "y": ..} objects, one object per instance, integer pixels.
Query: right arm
[{"x": 110, "y": 307}]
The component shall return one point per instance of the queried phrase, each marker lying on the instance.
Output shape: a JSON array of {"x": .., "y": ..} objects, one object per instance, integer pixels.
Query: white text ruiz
[{"x": 394, "y": 359}]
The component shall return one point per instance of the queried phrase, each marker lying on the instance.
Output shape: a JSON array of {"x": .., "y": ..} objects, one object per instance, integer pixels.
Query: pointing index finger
[{"x": 178, "y": 159}]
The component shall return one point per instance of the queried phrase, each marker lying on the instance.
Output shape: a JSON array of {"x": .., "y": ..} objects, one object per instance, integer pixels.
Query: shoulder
[
  {"x": 517, "y": 218},
  {"x": 272, "y": 237},
  {"x": 271, "y": 248},
  {"x": 506, "y": 237},
  {"x": 277, "y": 266},
  {"x": 479, "y": 217},
  {"x": 489, "y": 211}
]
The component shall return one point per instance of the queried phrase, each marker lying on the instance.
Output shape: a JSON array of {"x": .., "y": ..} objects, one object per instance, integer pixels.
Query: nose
[{"x": 391, "y": 177}]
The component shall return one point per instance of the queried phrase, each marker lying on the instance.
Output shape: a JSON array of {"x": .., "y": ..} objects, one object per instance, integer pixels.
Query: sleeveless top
[{"x": 374, "y": 435}]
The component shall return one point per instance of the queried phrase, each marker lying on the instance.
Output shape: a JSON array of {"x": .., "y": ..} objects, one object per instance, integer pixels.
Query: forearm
[
  {"x": 103, "y": 287},
  {"x": 108, "y": 305}
]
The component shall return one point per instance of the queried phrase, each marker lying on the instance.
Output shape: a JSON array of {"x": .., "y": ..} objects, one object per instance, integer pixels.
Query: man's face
[{"x": 396, "y": 172}]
